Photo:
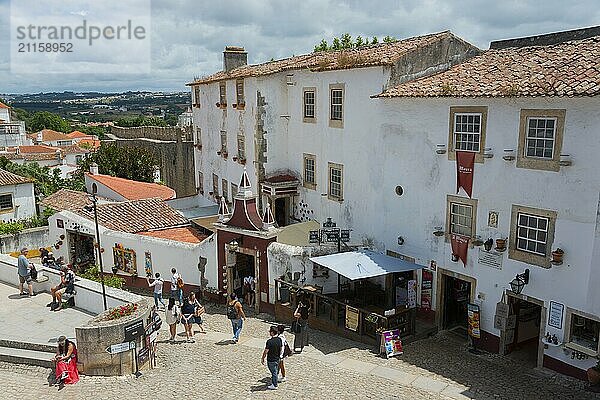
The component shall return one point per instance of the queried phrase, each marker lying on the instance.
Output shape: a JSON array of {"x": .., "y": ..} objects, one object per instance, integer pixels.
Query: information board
[
  {"x": 392, "y": 342},
  {"x": 352, "y": 318},
  {"x": 555, "y": 314},
  {"x": 134, "y": 331}
]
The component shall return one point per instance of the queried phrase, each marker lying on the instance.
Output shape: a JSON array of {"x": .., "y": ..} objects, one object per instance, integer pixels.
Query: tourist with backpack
[
  {"x": 235, "y": 313},
  {"x": 177, "y": 286}
]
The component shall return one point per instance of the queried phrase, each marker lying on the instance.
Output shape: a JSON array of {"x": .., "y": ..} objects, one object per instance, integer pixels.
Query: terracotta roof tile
[
  {"x": 567, "y": 69},
  {"x": 182, "y": 234},
  {"x": 40, "y": 148},
  {"x": 134, "y": 190},
  {"x": 48, "y": 135},
  {"x": 8, "y": 178},
  {"x": 93, "y": 143},
  {"x": 73, "y": 149},
  {"x": 66, "y": 199},
  {"x": 367, "y": 56},
  {"x": 2, "y": 105},
  {"x": 136, "y": 216},
  {"x": 77, "y": 135}
]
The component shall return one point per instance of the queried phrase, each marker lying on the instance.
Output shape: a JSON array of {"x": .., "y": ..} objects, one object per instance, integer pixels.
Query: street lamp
[
  {"x": 94, "y": 200},
  {"x": 519, "y": 282}
]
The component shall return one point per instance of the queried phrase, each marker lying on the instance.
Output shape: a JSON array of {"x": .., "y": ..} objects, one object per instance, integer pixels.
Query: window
[
  {"x": 310, "y": 162},
  {"x": 78, "y": 159},
  {"x": 198, "y": 137},
  {"x": 461, "y": 214},
  {"x": 6, "y": 202},
  {"x": 540, "y": 139},
  {"x": 336, "y": 182},
  {"x": 215, "y": 185},
  {"x": 583, "y": 331},
  {"x": 200, "y": 183},
  {"x": 234, "y": 190},
  {"x": 241, "y": 144},
  {"x": 224, "y": 143},
  {"x": 309, "y": 104},
  {"x": 531, "y": 235},
  {"x": 239, "y": 91},
  {"x": 223, "y": 94},
  {"x": 225, "y": 186},
  {"x": 196, "y": 100},
  {"x": 467, "y": 131},
  {"x": 336, "y": 102},
  {"x": 64, "y": 143}
]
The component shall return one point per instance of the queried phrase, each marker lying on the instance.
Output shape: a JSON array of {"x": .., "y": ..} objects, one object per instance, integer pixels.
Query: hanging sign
[
  {"x": 412, "y": 294},
  {"x": 555, "y": 314},
  {"x": 351, "y": 318},
  {"x": 392, "y": 342},
  {"x": 473, "y": 314},
  {"x": 465, "y": 161},
  {"x": 460, "y": 244}
]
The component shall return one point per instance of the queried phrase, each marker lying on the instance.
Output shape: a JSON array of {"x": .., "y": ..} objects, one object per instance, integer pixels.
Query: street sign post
[
  {"x": 119, "y": 348},
  {"x": 134, "y": 331},
  {"x": 329, "y": 233}
]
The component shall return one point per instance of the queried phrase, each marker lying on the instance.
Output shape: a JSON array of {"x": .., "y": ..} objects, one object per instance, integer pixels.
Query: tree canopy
[
  {"x": 140, "y": 120},
  {"x": 47, "y": 120},
  {"x": 346, "y": 42}
]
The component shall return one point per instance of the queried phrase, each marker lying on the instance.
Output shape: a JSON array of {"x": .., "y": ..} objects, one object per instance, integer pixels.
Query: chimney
[
  {"x": 234, "y": 57},
  {"x": 93, "y": 169},
  {"x": 40, "y": 136}
]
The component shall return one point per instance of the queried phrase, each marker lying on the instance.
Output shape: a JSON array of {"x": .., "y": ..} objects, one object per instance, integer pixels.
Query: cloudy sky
[{"x": 188, "y": 36}]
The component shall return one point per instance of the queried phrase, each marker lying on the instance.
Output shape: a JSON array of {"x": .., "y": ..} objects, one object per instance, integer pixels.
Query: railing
[{"x": 329, "y": 314}]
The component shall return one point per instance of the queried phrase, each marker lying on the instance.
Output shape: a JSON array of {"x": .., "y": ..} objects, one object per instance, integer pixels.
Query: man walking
[
  {"x": 273, "y": 354},
  {"x": 176, "y": 291},
  {"x": 235, "y": 313},
  {"x": 24, "y": 271},
  {"x": 158, "y": 288}
]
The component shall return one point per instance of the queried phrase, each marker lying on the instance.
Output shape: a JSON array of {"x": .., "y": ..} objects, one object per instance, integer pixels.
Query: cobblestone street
[{"x": 332, "y": 367}]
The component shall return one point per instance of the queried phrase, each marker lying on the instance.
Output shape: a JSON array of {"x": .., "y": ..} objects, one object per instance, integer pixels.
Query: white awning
[{"x": 364, "y": 264}]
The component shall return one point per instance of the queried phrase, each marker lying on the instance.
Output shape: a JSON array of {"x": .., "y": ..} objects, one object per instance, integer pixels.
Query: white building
[
  {"x": 50, "y": 138},
  {"x": 12, "y": 133},
  {"x": 121, "y": 189},
  {"x": 17, "y": 198}
]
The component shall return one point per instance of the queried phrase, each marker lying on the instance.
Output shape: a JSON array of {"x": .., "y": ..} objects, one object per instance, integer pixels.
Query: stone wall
[
  {"x": 33, "y": 238},
  {"x": 99, "y": 333},
  {"x": 174, "y": 149}
]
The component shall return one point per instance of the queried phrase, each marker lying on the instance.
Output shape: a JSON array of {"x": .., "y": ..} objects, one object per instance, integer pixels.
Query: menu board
[
  {"x": 426, "y": 288},
  {"x": 555, "y": 314},
  {"x": 474, "y": 320},
  {"x": 351, "y": 318},
  {"x": 392, "y": 342}
]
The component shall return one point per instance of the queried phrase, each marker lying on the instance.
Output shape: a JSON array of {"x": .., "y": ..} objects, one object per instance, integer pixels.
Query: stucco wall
[
  {"x": 23, "y": 202},
  {"x": 33, "y": 238}
]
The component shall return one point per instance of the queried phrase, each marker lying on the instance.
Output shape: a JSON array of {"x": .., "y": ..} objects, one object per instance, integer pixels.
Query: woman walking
[
  {"x": 172, "y": 314},
  {"x": 66, "y": 362},
  {"x": 285, "y": 351},
  {"x": 188, "y": 312},
  {"x": 198, "y": 311},
  {"x": 301, "y": 333}
]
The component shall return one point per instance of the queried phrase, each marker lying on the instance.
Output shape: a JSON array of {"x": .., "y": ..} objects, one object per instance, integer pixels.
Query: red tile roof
[
  {"x": 567, "y": 69},
  {"x": 8, "y": 178},
  {"x": 181, "y": 234},
  {"x": 48, "y": 135},
  {"x": 73, "y": 149},
  {"x": 37, "y": 149},
  {"x": 134, "y": 190},
  {"x": 66, "y": 199},
  {"x": 77, "y": 135},
  {"x": 2, "y": 105},
  {"x": 93, "y": 144},
  {"x": 366, "y": 56}
]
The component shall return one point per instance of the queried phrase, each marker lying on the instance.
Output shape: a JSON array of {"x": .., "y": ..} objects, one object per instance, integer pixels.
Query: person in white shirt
[
  {"x": 176, "y": 292},
  {"x": 248, "y": 290},
  {"x": 157, "y": 284},
  {"x": 285, "y": 351},
  {"x": 172, "y": 314}
]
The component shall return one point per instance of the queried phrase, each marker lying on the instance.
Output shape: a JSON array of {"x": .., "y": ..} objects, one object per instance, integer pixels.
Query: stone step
[
  {"x": 44, "y": 347},
  {"x": 28, "y": 357}
]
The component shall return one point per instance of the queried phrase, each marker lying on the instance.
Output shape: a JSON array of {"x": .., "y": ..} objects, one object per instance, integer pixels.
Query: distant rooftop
[{"x": 134, "y": 190}]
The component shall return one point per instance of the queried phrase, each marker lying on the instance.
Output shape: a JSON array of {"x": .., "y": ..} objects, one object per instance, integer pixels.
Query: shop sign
[
  {"x": 392, "y": 343},
  {"x": 134, "y": 331},
  {"x": 502, "y": 323},
  {"x": 555, "y": 314},
  {"x": 502, "y": 310},
  {"x": 352, "y": 318},
  {"x": 426, "y": 288},
  {"x": 412, "y": 294},
  {"x": 143, "y": 356},
  {"x": 473, "y": 313},
  {"x": 490, "y": 259}
]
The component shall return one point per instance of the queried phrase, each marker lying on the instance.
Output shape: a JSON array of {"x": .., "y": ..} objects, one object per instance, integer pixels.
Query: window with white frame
[
  {"x": 336, "y": 181},
  {"x": 309, "y": 103},
  {"x": 223, "y": 94},
  {"x": 532, "y": 233},
  {"x": 467, "y": 132},
  {"x": 6, "y": 202},
  {"x": 241, "y": 146},
  {"x": 225, "y": 186},
  {"x": 215, "y": 185},
  {"x": 196, "y": 96},
  {"x": 224, "y": 143},
  {"x": 337, "y": 103},
  {"x": 310, "y": 162},
  {"x": 200, "y": 182},
  {"x": 64, "y": 142},
  {"x": 539, "y": 142},
  {"x": 461, "y": 219},
  {"x": 239, "y": 91}
]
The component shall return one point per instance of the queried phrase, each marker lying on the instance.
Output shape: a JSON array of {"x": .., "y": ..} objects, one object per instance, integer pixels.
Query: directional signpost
[
  {"x": 329, "y": 233},
  {"x": 120, "y": 347}
]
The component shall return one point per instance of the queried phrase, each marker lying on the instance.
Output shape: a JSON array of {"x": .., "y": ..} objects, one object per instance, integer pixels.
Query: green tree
[
  {"x": 322, "y": 46},
  {"x": 346, "y": 41},
  {"x": 47, "y": 120},
  {"x": 389, "y": 39},
  {"x": 140, "y": 120},
  {"x": 375, "y": 40},
  {"x": 336, "y": 44},
  {"x": 99, "y": 131},
  {"x": 135, "y": 163},
  {"x": 359, "y": 41}
]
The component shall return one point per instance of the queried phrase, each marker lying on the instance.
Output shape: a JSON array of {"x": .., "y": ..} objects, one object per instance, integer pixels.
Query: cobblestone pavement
[{"x": 332, "y": 368}]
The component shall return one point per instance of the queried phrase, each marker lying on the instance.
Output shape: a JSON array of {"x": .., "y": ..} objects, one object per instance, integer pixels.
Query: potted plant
[
  {"x": 501, "y": 244},
  {"x": 593, "y": 374},
  {"x": 488, "y": 244},
  {"x": 454, "y": 258},
  {"x": 557, "y": 256}
]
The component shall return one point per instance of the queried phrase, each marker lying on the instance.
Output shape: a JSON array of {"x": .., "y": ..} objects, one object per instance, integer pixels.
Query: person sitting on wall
[
  {"x": 66, "y": 362},
  {"x": 44, "y": 256},
  {"x": 67, "y": 284}
]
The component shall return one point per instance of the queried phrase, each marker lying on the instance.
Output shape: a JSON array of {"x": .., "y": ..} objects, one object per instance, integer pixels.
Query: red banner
[
  {"x": 465, "y": 161},
  {"x": 460, "y": 244}
]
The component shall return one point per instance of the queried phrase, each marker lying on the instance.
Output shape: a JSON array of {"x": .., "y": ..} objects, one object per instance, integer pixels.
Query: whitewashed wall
[{"x": 23, "y": 201}]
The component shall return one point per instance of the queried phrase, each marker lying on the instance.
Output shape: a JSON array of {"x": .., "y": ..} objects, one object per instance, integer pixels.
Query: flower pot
[
  {"x": 487, "y": 245},
  {"x": 593, "y": 376},
  {"x": 557, "y": 256},
  {"x": 500, "y": 244}
]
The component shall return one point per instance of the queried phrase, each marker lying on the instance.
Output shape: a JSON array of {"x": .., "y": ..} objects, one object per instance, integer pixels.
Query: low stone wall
[
  {"x": 99, "y": 333},
  {"x": 32, "y": 238}
]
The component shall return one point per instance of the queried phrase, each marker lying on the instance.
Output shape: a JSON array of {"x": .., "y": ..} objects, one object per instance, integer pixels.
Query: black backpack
[{"x": 232, "y": 312}]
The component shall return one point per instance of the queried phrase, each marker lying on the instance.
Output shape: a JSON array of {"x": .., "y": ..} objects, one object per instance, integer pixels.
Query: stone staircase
[{"x": 37, "y": 354}]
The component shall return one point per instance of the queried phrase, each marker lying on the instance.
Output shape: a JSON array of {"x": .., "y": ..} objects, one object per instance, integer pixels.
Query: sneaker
[
  {"x": 271, "y": 387},
  {"x": 281, "y": 379}
]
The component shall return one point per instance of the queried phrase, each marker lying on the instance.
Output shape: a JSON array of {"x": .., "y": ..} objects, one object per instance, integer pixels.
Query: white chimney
[
  {"x": 94, "y": 169},
  {"x": 40, "y": 137}
]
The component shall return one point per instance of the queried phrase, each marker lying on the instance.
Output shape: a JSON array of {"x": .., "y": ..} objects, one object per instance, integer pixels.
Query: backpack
[
  {"x": 33, "y": 273},
  {"x": 180, "y": 283},
  {"x": 231, "y": 311}
]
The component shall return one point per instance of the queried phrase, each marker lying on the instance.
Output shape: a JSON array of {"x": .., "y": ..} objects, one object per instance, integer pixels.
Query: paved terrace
[{"x": 332, "y": 367}]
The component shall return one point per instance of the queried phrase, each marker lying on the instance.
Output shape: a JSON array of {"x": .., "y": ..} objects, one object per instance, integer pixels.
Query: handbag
[
  {"x": 296, "y": 327},
  {"x": 287, "y": 351}
]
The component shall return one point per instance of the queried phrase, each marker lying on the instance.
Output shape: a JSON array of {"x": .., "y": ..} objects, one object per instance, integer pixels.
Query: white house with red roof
[
  {"x": 50, "y": 137},
  {"x": 12, "y": 133},
  {"x": 17, "y": 198}
]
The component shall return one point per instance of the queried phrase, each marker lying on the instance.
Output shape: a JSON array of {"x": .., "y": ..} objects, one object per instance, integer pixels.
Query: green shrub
[{"x": 93, "y": 274}]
